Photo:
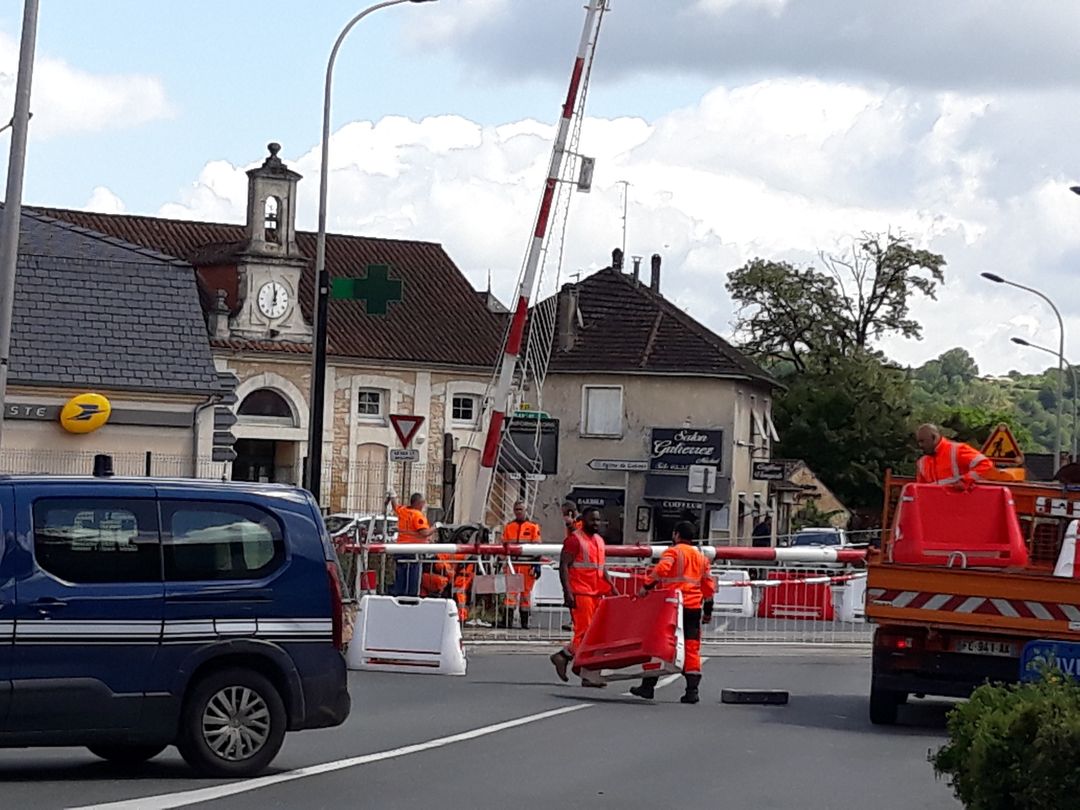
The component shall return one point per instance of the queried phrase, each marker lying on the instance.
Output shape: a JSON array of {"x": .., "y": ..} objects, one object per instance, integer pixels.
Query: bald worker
[{"x": 947, "y": 462}]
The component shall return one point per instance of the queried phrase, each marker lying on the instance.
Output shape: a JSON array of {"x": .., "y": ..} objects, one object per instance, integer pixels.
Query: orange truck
[{"x": 963, "y": 581}]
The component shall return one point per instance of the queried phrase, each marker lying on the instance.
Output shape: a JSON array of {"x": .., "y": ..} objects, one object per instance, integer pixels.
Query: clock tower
[{"x": 270, "y": 263}]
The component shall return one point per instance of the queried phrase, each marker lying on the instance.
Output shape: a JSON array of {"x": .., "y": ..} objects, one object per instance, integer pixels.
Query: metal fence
[{"x": 756, "y": 603}]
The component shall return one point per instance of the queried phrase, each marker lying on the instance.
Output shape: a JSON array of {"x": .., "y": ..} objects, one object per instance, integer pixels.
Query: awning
[{"x": 670, "y": 492}]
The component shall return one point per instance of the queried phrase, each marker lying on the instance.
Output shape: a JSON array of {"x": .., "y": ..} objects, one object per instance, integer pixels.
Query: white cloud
[
  {"x": 66, "y": 100},
  {"x": 779, "y": 169},
  {"x": 104, "y": 201}
]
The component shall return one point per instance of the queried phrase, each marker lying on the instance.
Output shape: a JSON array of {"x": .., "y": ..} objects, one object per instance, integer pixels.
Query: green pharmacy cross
[{"x": 376, "y": 290}]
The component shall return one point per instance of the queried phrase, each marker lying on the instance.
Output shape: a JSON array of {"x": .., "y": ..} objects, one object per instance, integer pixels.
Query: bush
[{"x": 1015, "y": 747}]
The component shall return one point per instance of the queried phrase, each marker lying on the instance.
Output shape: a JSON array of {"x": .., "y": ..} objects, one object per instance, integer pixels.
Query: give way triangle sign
[
  {"x": 405, "y": 426},
  {"x": 1002, "y": 447}
]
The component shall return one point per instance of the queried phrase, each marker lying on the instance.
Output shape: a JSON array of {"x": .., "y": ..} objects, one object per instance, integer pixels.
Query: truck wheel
[
  {"x": 126, "y": 755},
  {"x": 232, "y": 725},
  {"x": 885, "y": 705}
]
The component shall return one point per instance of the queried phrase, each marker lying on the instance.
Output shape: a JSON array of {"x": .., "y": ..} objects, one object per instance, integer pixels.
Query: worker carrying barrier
[
  {"x": 406, "y": 634},
  {"x": 796, "y": 596},
  {"x": 940, "y": 525},
  {"x": 631, "y": 637}
]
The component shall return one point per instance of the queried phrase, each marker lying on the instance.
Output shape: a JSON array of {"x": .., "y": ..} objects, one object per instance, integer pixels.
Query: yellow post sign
[
  {"x": 1002, "y": 447},
  {"x": 85, "y": 413}
]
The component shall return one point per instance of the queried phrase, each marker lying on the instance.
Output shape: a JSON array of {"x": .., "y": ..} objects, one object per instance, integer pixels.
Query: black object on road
[{"x": 766, "y": 697}]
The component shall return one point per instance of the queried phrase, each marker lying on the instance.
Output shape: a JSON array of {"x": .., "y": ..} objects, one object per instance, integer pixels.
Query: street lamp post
[
  {"x": 1076, "y": 388},
  {"x": 313, "y": 476},
  {"x": 1060, "y": 355}
]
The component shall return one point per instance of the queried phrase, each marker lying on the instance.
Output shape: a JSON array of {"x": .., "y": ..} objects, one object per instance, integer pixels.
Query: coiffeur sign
[
  {"x": 678, "y": 449},
  {"x": 85, "y": 413}
]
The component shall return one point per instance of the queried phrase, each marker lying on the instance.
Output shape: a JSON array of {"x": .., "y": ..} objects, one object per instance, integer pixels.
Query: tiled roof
[
  {"x": 93, "y": 311},
  {"x": 629, "y": 328},
  {"x": 442, "y": 320}
]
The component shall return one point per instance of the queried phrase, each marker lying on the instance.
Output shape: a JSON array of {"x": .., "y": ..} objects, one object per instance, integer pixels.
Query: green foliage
[
  {"x": 850, "y": 424},
  {"x": 1015, "y": 747},
  {"x": 811, "y": 517}
]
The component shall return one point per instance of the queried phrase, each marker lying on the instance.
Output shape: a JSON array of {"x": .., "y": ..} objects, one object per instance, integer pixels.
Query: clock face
[{"x": 273, "y": 299}]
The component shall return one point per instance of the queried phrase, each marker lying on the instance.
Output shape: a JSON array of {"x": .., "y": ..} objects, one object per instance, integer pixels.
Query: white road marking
[{"x": 185, "y": 798}]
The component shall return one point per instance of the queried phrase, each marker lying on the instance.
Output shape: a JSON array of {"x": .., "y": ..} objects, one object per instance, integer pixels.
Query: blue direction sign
[{"x": 1061, "y": 654}]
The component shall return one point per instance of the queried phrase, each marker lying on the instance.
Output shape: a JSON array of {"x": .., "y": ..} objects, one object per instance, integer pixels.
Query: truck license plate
[{"x": 981, "y": 646}]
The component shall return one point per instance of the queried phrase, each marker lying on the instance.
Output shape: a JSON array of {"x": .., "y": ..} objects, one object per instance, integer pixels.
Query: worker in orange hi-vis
[
  {"x": 570, "y": 517},
  {"x": 522, "y": 530},
  {"x": 585, "y": 582},
  {"x": 460, "y": 573},
  {"x": 684, "y": 568},
  {"x": 949, "y": 463},
  {"x": 413, "y": 527}
]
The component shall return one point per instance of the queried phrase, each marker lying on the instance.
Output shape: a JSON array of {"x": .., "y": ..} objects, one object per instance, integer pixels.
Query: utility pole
[
  {"x": 9, "y": 228},
  {"x": 625, "y": 197}
]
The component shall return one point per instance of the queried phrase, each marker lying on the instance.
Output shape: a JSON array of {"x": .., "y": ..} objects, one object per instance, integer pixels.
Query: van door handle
[{"x": 47, "y": 604}]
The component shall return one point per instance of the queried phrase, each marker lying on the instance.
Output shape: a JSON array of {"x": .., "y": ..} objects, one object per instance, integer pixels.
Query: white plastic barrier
[
  {"x": 851, "y": 605},
  {"x": 1067, "y": 564},
  {"x": 548, "y": 590},
  {"x": 733, "y": 600},
  {"x": 406, "y": 634}
]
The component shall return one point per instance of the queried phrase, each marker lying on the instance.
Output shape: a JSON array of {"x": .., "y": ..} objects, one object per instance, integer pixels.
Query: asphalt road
[{"x": 429, "y": 741}]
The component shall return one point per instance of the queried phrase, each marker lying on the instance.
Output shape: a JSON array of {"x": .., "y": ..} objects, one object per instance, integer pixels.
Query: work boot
[
  {"x": 524, "y": 619},
  {"x": 692, "y": 683},
  {"x": 561, "y": 661},
  {"x": 647, "y": 690}
]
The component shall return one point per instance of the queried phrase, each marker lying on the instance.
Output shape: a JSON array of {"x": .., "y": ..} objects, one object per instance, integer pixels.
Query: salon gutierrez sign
[{"x": 678, "y": 449}]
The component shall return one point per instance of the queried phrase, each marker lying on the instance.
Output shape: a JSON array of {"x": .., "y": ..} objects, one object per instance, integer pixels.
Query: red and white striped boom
[{"x": 500, "y": 399}]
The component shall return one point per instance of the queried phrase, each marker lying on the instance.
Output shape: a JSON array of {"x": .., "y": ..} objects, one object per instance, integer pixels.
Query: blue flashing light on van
[{"x": 141, "y": 613}]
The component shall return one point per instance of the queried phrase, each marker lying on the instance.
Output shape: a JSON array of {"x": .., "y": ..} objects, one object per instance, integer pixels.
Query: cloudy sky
[{"x": 773, "y": 128}]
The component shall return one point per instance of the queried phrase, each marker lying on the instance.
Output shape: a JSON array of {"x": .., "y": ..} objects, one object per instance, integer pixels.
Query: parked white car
[{"x": 819, "y": 537}]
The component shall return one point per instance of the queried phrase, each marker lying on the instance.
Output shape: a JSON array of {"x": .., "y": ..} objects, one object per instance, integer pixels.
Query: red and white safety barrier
[
  {"x": 773, "y": 583},
  {"x": 804, "y": 555}
]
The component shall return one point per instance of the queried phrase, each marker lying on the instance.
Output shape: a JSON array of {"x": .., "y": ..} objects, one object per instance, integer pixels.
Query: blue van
[{"x": 141, "y": 613}]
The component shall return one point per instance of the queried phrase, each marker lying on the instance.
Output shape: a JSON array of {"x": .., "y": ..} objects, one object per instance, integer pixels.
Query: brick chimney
[
  {"x": 654, "y": 285},
  {"x": 568, "y": 317},
  {"x": 218, "y": 322}
]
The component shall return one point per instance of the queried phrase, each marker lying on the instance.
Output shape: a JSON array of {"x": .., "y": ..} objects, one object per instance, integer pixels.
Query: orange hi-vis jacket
[
  {"x": 524, "y": 532},
  {"x": 684, "y": 568},
  {"x": 410, "y": 522},
  {"x": 575, "y": 527},
  {"x": 953, "y": 462},
  {"x": 586, "y": 573}
]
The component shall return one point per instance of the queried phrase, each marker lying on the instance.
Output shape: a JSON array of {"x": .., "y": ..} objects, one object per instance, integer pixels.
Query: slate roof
[
  {"x": 95, "y": 312},
  {"x": 629, "y": 328},
  {"x": 442, "y": 319}
]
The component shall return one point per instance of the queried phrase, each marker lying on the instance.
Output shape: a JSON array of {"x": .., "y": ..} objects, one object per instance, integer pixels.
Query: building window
[
  {"x": 464, "y": 409},
  {"x": 370, "y": 404},
  {"x": 265, "y": 406},
  {"x": 602, "y": 410},
  {"x": 209, "y": 541},
  {"x": 92, "y": 540}
]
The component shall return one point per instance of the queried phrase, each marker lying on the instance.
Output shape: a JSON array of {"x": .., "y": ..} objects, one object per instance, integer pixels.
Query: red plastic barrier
[
  {"x": 977, "y": 527},
  {"x": 629, "y": 585},
  {"x": 634, "y": 635},
  {"x": 796, "y": 599}
]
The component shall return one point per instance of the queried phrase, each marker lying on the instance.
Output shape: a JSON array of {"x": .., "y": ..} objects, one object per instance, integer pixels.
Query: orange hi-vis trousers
[
  {"x": 463, "y": 577},
  {"x": 581, "y": 616}
]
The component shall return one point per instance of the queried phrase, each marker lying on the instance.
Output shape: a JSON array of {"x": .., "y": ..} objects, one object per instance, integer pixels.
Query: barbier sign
[{"x": 679, "y": 449}]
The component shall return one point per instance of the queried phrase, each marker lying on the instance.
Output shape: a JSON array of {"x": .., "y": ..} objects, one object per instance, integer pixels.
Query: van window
[
  {"x": 209, "y": 540},
  {"x": 91, "y": 540}
]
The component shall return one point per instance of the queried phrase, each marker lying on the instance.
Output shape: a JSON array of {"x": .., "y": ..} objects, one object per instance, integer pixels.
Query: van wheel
[
  {"x": 233, "y": 724},
  {"x": 885, "y": 706},
  {"x": 126, "y": 754}
]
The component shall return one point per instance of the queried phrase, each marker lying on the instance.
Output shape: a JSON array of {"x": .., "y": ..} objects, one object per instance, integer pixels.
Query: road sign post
[
  {"x": 406, "y": 426},
  {"x": 702, "y": 481}
]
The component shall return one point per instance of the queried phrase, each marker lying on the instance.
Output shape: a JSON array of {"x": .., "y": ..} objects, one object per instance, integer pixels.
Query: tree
[
  {"x": 807, "y": 316},
  {"x": 849, "y": 423}
]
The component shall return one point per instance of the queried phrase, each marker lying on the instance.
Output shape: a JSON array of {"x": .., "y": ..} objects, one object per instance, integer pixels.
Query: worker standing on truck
[
  {"x": 948, "y": 462},
  {"x": 683, "y": 567},
  {"x": 522, "y": 530},
  {"x": 585, "y": 582}
]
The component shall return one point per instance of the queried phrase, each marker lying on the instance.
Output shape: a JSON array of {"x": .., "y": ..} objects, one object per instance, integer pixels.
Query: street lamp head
[
  {"x": 1074, "y": 189},
  {"x": 994, "y": 278},
  {"x": 1020, "y": 341}
]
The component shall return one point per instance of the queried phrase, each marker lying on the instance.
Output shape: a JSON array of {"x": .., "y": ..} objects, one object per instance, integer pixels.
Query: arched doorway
[{"x": 262, "y": 454}]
